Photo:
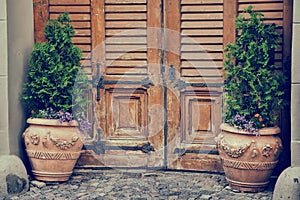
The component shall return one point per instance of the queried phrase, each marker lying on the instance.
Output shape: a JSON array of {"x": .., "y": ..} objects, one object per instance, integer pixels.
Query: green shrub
[
  {"x": 254, "y": 88},
  {"x": 55, "y": 85},
  {"x": 53, "y": 68}
]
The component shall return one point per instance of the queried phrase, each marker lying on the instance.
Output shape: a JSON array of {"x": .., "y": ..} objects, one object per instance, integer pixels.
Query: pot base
[
  {"x": 247, "y": 187},
  {"x": 51, "y": 177}
]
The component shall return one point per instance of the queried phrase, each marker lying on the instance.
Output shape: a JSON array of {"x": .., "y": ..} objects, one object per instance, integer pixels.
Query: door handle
[
  {"x": 172, "y": 73},
  {"x": 100, "y": 85},
  {"x": 97, "y": 82}
]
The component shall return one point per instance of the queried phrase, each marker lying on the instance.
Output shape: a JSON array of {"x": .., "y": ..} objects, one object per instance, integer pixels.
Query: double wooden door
[{"x": 157, "y": 84}]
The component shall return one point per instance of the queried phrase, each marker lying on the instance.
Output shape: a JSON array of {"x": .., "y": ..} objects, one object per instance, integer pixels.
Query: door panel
[
  {"x": 200, "y": 116},
  {"x": 128, "y": 100},
  {"x": 153, "y": 116},
  {"x": 194, "y": 79},
  {"x": 127, "y": 113}
]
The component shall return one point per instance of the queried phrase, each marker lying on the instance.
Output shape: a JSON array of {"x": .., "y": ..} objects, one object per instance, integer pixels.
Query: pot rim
[
  {"x": 51, "y": 122},
  {"x": 264, "y": 131}
]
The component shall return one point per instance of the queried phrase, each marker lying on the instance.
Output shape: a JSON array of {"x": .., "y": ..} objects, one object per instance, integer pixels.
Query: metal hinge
[
  {"x": 181, "y": 84},
  {"x": 99, "y": 147},
  {"x": 98, "y": 82},
  {"x": 145, "y": 148},
  {"x": 147, "y": 83},
  {"x": 182, "y": 152}
]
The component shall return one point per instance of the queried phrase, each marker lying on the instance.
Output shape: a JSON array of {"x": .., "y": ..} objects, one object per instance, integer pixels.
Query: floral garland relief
[
  {"x": 238, "y": 151},
  {"x": 59, "y": 143}
]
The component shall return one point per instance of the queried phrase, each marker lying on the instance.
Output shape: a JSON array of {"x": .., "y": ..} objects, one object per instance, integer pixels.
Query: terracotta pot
[
  {"x": 53, "y": 148},
  {"x": 248, "y": 160}
]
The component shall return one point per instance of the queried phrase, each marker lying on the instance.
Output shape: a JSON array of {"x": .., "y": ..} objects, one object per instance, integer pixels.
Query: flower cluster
[
  {"x": 84, "y": 124},
  {"x": 49, "y": 113},
  {"x": 65, "y": 116},
  {"x": 241, "y": 122}
]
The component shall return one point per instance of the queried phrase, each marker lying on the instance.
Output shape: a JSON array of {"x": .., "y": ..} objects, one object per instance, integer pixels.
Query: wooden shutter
[
  {"x": 202, "y": 39},
  {"x": 126, "y": 37},
  {"x": 80, "y": 14}
]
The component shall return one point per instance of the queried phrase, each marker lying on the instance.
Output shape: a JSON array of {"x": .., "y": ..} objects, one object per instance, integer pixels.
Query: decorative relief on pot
[
  {"x": 254, "y": 150},
  {"x": 31, "y": 138},
  {"x": 42, "y": 155},
  {"x": 249, "y": 165},
  {"x": 266, "y": 150},
  {"x": 45, "y": 139},
  {"x": 26, "y": 137},
  {"x": 35, "y": 139},
  {"x": 63, "y": 144},
  {"x": 231, "y": 151},
  {"x": 278, "y": 148}
]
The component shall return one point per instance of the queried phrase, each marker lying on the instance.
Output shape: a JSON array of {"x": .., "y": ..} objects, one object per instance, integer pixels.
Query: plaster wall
[
  {"x": 4, "y": 135},
  {"x": 16, "y": 41},
  {"x": 295, "y": 104},
  {"x": 20, "y": 42}
]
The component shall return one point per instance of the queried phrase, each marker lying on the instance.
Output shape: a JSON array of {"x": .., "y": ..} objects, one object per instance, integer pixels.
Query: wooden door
[
  {"x": 157, "y": 77},
  {"x": 128, "y": 95},
  {"x": 194, "y": 46}
]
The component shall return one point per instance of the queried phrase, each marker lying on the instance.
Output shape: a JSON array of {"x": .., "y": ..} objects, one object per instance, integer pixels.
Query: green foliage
[
  {"x": 254, "y": 87},
  {"x": 80, "y": 91},
  {"x": 53, "y": 69}
]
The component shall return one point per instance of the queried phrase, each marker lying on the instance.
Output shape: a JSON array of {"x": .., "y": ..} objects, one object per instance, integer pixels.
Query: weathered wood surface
[
  {"x": 69, "y": 2},
  {"x": 128, "y": 113},
  {"x": 41, "y": 16},
  {"x": 116, "y": 34}
]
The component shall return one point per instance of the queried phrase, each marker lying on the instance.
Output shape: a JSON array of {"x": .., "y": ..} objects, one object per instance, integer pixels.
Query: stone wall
[
  {"x": 295, "y": 104},
  {"x": 288, "y": 183}
]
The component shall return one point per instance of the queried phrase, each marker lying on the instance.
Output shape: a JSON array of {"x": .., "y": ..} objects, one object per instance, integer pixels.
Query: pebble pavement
[{"x": 140, "y": 185}]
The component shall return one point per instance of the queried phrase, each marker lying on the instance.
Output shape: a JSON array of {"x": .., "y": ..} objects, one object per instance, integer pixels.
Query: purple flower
[
  {"x": 65, "y": 117},
  {"x": 84, "y": 125},
  {"x": 241, "y": 122},
  {"x": 49, "y": 113}
]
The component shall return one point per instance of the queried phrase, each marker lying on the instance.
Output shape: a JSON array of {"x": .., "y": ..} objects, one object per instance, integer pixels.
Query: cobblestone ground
[{"x": 135, "y": 185}]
